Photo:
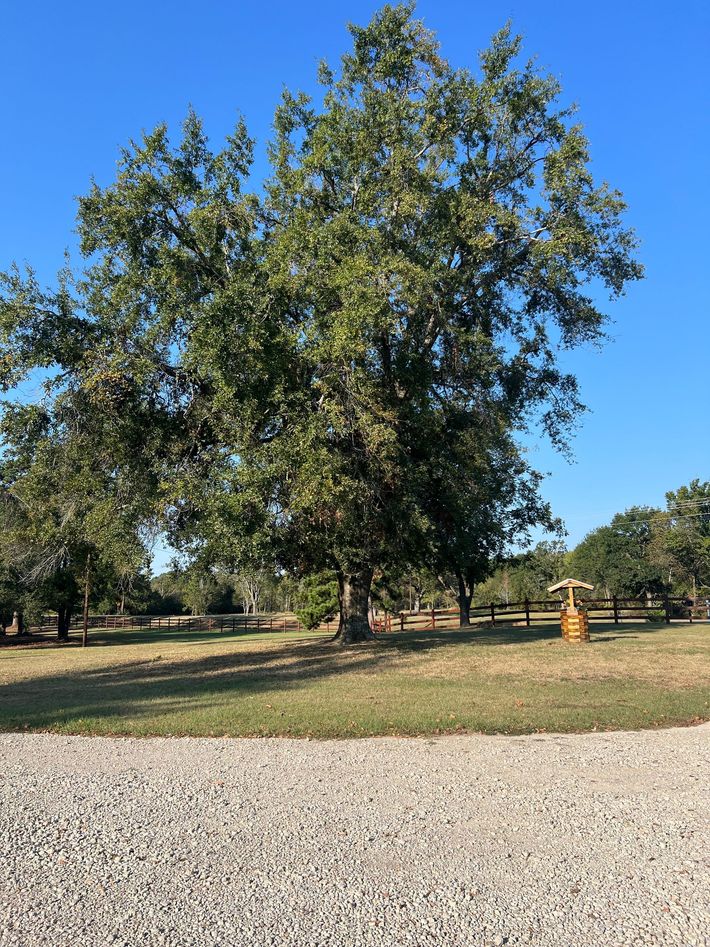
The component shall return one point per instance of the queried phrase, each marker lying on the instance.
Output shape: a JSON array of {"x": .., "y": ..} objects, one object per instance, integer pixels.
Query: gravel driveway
[{"x": 572, "y": 840}]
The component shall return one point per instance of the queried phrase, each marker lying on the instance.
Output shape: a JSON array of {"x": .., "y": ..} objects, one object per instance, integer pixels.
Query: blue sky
[{"x": 79, "y": 79}]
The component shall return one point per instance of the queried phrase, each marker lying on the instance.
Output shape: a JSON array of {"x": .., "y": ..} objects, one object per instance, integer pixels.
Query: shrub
[{"x": 317, "y": 599}]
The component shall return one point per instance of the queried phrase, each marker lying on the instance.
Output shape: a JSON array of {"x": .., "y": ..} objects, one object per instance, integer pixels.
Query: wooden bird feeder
[{"x": 575, "y": 624}]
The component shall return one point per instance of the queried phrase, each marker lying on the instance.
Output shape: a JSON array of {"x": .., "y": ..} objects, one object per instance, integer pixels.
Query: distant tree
[
  {"x": 685, "y": 535},
  {"x": 484, "y": 499},
  {"x": 72, "y": 521},
  {"x": 421, "y": 586},
  {"x": 526, "y": 575},
  {"x": 251, "y": 583},
  {"x": 617, "y": 558},
  {"x": 166, "y": 594},
  {"x": 200, "y": 590}
]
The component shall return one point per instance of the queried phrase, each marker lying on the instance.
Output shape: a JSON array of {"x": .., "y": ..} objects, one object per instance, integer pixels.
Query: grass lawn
[{"x": 502, "y": 680}]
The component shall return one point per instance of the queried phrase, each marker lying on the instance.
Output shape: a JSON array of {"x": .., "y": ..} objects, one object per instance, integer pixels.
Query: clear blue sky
[{"x": 78, "y": 79}]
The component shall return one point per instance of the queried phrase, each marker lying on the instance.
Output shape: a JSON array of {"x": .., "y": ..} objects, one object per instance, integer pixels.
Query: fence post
[
  {"x": 667, "y": 609},
  {"x": 433, "y": 618},
  {"x": 493, "y": 613},
  {"x": 271, "y": 623},
  {"x": 401, "y": 621},
  {"x": 527, "y": 613},
  {"x": 258, "y": 622},
  {"x": 615, "y": 603}
]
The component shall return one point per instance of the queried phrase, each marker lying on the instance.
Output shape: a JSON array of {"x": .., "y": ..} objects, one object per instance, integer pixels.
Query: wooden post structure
[
  {"x": 615, "y": 603},
  {"x": 493, "y": 613},
  {"x": 667, "y": 609},
  {"x": 401, "y": 621},
  {"x": 433, "y": 618},
  {"x": 527, "y": 613},
  {"x": 574, "y": 623}
]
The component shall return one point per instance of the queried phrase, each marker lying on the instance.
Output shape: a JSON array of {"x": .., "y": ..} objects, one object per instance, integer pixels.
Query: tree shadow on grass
[
  {"x": 100, "y": 638},
  {"x": 155, "y": 686},
  {"x": 142, "y": 689}
]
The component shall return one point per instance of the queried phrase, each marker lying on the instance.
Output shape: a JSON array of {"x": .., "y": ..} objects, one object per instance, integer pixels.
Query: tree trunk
[
  {"x": 18, "y": 624},
  {"x": 63, "y": 621},
  {"x": 463, "y": 598},
  {"x": 85, "y": 615},
  {"x": 354, "y": 596}
]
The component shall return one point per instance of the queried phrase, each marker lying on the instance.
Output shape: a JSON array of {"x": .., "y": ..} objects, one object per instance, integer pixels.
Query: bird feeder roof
[{"x": 570, "y": 584}]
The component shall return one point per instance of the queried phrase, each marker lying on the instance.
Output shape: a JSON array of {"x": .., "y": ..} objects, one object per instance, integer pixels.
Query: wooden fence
[
  {"x": 220, "y": 623},
  {"x": 522, "y": 614},
  {"x": 529, "y": 612}
]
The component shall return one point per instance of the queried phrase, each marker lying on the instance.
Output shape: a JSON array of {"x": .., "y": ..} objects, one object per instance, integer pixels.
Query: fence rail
[
  {"x": 526, "y": 613},
  {"x": 220, "y": 623},
  {"x": 529, "y": 612}
]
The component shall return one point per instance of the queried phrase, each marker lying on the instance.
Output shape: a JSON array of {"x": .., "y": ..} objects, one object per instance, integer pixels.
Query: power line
[
  {"x": 633, "y": 518},
  {"x": 682, "y": 507}
]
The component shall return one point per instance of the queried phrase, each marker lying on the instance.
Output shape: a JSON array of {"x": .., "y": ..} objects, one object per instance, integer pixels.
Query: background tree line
[{"x": 643, "y": 551}]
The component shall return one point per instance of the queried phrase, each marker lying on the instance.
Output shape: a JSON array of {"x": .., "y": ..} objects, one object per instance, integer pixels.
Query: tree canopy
[{"x": 332, "y": 375}]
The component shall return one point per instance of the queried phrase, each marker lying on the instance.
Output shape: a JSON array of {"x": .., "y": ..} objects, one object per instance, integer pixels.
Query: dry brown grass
[{"x": 502, "y": 679}]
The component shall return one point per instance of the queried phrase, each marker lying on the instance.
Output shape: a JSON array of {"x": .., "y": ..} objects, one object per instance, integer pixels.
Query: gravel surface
[{"x": 572, "y": 840}]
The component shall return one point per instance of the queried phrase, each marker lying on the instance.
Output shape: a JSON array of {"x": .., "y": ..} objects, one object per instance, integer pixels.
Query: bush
[
  {"x": 655, "y": 615},
  {"x": 317, "y": 599}
]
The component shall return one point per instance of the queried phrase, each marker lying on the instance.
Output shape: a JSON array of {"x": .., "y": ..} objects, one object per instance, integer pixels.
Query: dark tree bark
[
  {"x": 354, "y": 597},
  {"x": 63, "y": 622},
  {"x": 464, "y": 596},
  {"x": 85, "y": 613},
  {"x": 18, "y": 624}
]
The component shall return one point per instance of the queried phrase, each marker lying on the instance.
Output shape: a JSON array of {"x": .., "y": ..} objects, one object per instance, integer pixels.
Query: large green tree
[{"x": 294, "y": 365}]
